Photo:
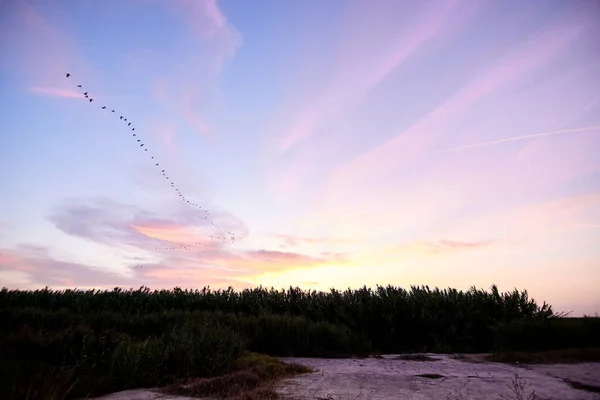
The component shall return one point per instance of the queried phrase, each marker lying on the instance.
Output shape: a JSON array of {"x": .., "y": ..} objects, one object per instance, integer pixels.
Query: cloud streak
[
  {"x": 417, "y": 140},
  {"x": 54, "y": 92},
  {"x": 444, "y": 247},
  {"x": 522, "y": 137},
  {"x": 353, "y": 83}
]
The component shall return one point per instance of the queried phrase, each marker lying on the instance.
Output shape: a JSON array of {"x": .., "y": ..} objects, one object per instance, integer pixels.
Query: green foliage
[
  {"x": 98, "y": 341},
  {"x": 547, "y": 334},
  {"x": 388, "y": 318}
]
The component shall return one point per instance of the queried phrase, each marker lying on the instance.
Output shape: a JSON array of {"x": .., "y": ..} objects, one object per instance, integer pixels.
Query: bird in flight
[{"x": 164, "y": 174}]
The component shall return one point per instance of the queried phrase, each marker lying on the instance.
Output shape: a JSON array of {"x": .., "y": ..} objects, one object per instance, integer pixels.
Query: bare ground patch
[{"x": 391, "y": 377}]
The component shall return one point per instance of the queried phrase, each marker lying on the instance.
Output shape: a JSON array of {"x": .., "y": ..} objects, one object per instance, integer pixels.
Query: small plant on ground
[
  {"x": 518, "y": 387},
  {"x": 250, "y": 377}
]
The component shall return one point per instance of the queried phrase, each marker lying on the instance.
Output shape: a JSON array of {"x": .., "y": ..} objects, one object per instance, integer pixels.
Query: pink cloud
[
  {"x": 23, "y": 269},
  {"x": 111, "y": 223},
  {"x": 507, "y": 177},
  {"x": 419, "y": 137},
  {"x": 294, "y": 240},
  {"x": 206, "y": 18},
  {"x": 43, "y": 51},
  {"x": 160, "y": 91},
  {"x": 63, "y": 93},
  {"x": 167, "y": 232},
  {"x": 190, "y": 112},
  {"x": 531, "y": 224},
  {"x": 446, "y": 246},
  {"x": 193, "y": 81},
  {"x": 250, "y": 263},
  {"x": 186, "y": 269},
  {"x": 167, "y": 136},
  {"x": 522, "y": 137},
  {"x": 353, "y": 83}
]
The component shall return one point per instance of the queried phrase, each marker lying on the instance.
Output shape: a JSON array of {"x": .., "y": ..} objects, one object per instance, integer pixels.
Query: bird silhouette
[{"x": 207, "y": 215}]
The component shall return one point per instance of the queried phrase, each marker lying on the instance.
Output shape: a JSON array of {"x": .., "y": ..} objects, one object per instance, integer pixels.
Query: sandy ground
[{"x": 451, "y": 378}]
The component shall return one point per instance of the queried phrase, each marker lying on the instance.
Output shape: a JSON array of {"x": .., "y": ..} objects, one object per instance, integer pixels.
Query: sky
[{"x": 316, "y": 144}]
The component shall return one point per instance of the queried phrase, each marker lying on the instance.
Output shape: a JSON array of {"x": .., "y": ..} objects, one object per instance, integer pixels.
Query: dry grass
[
  {"x": 431, "y": 376},
  {"x": 252, "y": 377},
  {"x": 583, "y": 386},
  {"x": 518, "y": 387},
  {"x": 415, "y": 357},
  {"x": 565, "y": 356}
]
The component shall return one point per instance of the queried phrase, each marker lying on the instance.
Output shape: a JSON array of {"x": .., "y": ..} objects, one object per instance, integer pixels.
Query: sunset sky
[{"x": 344, "y": 143}]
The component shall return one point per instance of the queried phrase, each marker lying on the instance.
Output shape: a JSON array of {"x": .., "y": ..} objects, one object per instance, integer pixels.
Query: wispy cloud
[
  {"x": 441, "y": 247},
  {"x": 190, "y": 269},
  {"x": 43, "y": 50},
  {"x": 109, "y": 222},
  {"x": 35, "y": 270},
  {"x": 53, "y": 92},
  {"x": 419, "y": 138},
  {"x": 189, "y": 110},
  {"x": 160, "y": 91},
  {"x": 168, "y": 232},
  {"x": 123, "y": 226},
  {"x": 522, "y": 137},
  {"x": 207, "y": 19},
  {"x": 360, "y": 70},
  {"x": 32, "y": 271},
  {"x": 296, "y": 241}
]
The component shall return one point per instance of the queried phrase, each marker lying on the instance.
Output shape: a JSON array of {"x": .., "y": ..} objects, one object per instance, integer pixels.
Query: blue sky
[{"x": 449, "y": 143}]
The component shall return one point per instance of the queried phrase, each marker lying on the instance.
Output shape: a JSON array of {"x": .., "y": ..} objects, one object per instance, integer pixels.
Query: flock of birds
[{"x": 181, "y": 195}]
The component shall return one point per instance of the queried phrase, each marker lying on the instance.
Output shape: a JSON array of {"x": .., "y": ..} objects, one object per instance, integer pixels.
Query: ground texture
[{"x": 431, "y": 376}]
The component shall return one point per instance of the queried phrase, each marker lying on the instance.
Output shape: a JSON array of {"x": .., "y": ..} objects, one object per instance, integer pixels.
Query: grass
[
  {"x": 70, "y": 344},
  {"x": 252, "y": 376},
  {"x": 583, "y": 386},
  {"x": 431, "y": 376},
  {"x": 562, "y": 356},
  {"x": 415, "y": 357},
  {"x": 518, "y": 387}
]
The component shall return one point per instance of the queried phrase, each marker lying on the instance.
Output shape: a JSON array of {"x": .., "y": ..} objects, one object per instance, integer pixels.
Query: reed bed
[{"x": 91, "y": 342}]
